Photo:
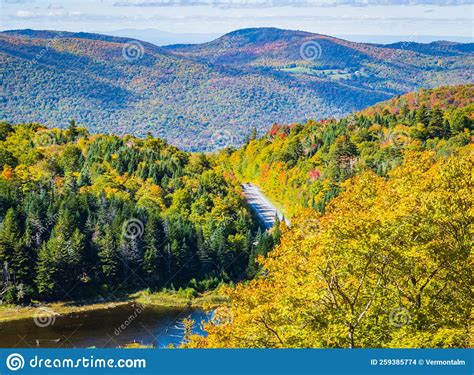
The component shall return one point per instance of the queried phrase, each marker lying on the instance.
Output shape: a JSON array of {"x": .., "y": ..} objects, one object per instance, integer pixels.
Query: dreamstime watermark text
[{"x": 16, "y": 361}]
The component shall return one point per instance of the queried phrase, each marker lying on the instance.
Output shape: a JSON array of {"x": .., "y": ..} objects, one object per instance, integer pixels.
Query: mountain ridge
[{"x": 210, "y": 95}]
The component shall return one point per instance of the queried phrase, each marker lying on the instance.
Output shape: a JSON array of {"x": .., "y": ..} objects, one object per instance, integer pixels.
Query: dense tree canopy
[
  {"x": 379, "y": 253},
  {"x": 387, "y": 265},
  {"x": 303, "y": 166},
  {"x": 85, "y": 214}
]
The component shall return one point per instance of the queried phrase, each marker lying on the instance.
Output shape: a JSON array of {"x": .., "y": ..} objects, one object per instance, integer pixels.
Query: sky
[{"x": 409, "y": 18}]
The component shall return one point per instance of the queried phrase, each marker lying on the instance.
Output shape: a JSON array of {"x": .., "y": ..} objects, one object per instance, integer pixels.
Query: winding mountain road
[{"x": 264, "y": 209}]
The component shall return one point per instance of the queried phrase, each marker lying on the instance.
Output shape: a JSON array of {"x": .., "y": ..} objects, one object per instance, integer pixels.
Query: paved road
[{"x": 264, "y": 209}]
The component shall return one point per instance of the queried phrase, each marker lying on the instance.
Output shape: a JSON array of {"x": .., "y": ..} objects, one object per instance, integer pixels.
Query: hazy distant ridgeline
[{"x": 206, "y": 96}]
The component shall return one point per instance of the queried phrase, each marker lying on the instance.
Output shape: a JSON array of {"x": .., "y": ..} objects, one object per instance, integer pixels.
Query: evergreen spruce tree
[
  {"x": 72, "y": 129},
  {"x": 154, "y": 242},
  {"x": 45, "y": 273},
  {"x": 10, "y": 234},
  {"x": 14, "y": 249},
  {"x": 421, "y": 115},
  {"x": 109, "y": 258},
  {"x": 276, "y": 232}
]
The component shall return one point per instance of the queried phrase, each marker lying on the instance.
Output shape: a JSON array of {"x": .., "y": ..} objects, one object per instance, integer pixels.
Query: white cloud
[
  {"x": 332, "y": 17},
  {"x": 55, "y": 6},
  {"x": 23, "y": 13}
]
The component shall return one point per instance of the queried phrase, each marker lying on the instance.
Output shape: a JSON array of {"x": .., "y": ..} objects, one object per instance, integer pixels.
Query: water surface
[{"x": 110, "y": 328}]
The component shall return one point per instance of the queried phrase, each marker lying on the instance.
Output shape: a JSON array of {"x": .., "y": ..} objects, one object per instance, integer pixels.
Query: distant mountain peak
[
  {"x": 267, "y": 31},
  {"x": 265, "y": 34}
]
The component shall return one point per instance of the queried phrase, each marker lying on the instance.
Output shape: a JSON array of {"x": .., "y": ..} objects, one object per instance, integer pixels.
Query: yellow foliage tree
[{"x": 387, "y": 265}]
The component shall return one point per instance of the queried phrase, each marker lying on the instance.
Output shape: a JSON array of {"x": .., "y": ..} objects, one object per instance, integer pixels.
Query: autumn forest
[{"x": 377, "y": 252}]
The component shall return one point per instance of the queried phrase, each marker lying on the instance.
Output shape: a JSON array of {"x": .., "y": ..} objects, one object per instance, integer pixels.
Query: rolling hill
[
  {"x": 301, "y": 166},
  {"x": 381, "y": 211},
  {"x": 208, "y": 96}
]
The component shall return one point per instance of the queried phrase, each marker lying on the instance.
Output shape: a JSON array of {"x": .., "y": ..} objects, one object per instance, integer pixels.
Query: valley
[
  {"x": 179, "y": 178},
  {"x": 104, "y": 210}
]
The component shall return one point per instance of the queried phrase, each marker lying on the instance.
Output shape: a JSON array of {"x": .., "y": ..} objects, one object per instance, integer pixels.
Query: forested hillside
[
  {"x": 209, "y": 96},
  {"x": 97, "y": 215},
  {"x": 312, "y": 58},
  {"x": 304, "y": 165},
  {"x": 379, "y": 253}
]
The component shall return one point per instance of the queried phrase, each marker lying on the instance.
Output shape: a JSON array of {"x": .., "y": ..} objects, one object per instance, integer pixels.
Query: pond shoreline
[
  {"x": 207, "y": 300},
  {"x": 126, "y": 325}
]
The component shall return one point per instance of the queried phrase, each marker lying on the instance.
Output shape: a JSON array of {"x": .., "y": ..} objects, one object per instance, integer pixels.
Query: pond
[{"x": 109, "y": 328}]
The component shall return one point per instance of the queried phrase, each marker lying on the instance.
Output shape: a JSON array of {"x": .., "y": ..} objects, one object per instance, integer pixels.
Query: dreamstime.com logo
[
  {"x": 399, "y": 317},
  {"x": 44, "y": 139},
  {"x": 44, "y": 317},
  {"x": 15, "y": 362},
  {"x": 133, "y": 229},
  {"x": 133, "y": 50},
  {"x": 311, "y": 50}
]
